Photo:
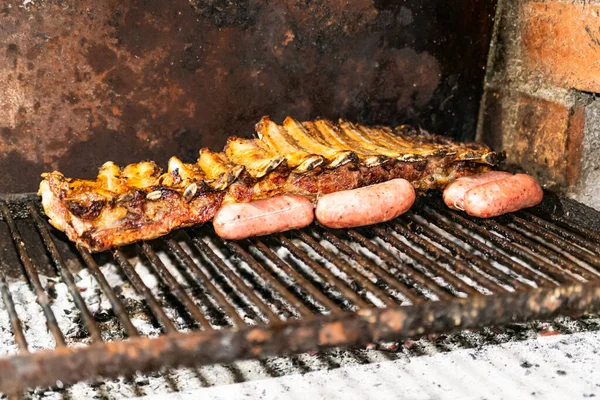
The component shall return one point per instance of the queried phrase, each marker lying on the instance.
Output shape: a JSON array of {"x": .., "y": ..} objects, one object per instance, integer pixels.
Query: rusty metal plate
[{"x": 85, "y": 82}]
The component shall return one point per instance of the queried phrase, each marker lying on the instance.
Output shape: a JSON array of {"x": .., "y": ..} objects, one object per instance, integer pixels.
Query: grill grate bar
[
  {"x": 175, "y": 287},
  {"x": 564, "y": 223},
  {"x": 108, "y": 291},
  {"x": 458, "y": 251},
  {"x": 142, "y": 289},
  {"x": 34, "y": 278},
  {"x": 299, "y": 279},
  {"x": 457, "y": 265},
  {"x": 561, "y": 232},
  {"x": 15, "y": 322},
  {"x": 65, "y": 274},
  {"x": 557, "y": 274},
  {"x": 537, "y": 249},
  {"x": 430, "y": 271},
  {"x": 234, "y": 279},
  {"x": 190, "y": 264},
  {"x": 537, "y": 232},
  {"x": 412, "y": 276},
  {"x": 371, "y": 266},
  {"x": 424, "y": 262},
  {"x": 331, "y": 279},
  {"x": 299, "y": 307},
  {"x": 488, "y": 251},
  {"x": 352, "y": 273}
]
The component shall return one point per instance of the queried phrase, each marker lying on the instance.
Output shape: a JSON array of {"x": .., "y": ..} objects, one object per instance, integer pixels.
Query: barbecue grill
[
  {"x": 132, "y": 80},
  {"x": 431, "y": 271}
]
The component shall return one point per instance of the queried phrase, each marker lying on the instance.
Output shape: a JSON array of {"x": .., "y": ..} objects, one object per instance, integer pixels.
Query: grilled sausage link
[
  {"x": 502, "y": 196},
  {"x": 365, "y": 206},
  {"x": 454, "y": 194},
  {"x": 236, "y": 221}
]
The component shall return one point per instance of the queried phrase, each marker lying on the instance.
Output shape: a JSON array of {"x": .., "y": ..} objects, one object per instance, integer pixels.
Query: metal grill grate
[{"x": 432, "y": 270}]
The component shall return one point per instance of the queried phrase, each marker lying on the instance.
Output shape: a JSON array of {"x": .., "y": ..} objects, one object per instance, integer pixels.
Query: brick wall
[{"x": 540, "y": 102}]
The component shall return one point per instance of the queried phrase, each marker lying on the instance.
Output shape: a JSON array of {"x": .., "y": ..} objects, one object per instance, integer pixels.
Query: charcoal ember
[{"x": 103, "y": 315}]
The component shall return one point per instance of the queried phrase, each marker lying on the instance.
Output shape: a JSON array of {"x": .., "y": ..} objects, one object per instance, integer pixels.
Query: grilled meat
[{"x": 139, "y": 201}]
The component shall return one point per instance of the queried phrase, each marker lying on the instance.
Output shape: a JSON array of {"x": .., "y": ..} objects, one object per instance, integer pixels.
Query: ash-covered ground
[{"x": 190, "y": 380}]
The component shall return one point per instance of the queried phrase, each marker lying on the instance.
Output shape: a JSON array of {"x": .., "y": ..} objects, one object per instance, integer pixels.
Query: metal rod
[
  {"x": 556, "y": 240},
  {"x": 185, "y": 258},
  {"x": 564, "y": 233},
  {"x": 303, "y": 283},
  {"x": 65, "y": 274},
  {"x": 424, "y": 262},
  {"x": 323, "y": 272},
  {"x": 458, "y": 251},
  {"x": 280, "y": 290},
  {"x": 31, "y": 272},
  {"x": 537, "y": 249},
  {"x": 351, "y": 272},
  {"x": 411, "y": 275},
  {"x": 234, "y": 279},
  {"x": 143, "y": 290},
  {"x": 565, "y": 223},
  {"x": 457, "y": 265},
  {"x": 556, "y": 273},
  {"x": 115, "y": 303},
  {"x": 174, "y": 286},
  {"x": 15, "y": 322},
  {"x": 381, "y": 273},
  {"x": 110, "y": 360},
  {"x": 532, "y": 275}
]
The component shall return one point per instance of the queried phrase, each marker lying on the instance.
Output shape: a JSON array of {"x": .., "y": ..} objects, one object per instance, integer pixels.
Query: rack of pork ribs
[{"x": 311, "y": 159}]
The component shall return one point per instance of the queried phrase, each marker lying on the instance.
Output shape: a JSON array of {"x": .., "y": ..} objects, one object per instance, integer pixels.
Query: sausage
[
  {"x": 365, "y": 206},
  {"x": 502, "y": 196},
  {"x": 455, "y": 192},
  {"x": 236, "y": 221}
]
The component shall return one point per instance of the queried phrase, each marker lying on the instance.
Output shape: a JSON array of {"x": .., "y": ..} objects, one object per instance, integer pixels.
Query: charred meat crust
[
  {"x": 139, "y": 202},
  {"x": 145, "y": 219}
]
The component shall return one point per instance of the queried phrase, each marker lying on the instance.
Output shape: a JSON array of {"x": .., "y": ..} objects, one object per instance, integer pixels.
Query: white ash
[
  {"x": 38, "y": 336},
  {"x": 371, "y": 276},
  {"x": 476, "y": 252},
  {"x": 439, "y": 280},
  {"x": 312, "y": 275},
  {"x": 530, "y": 235},
  {"x": 392, "y": 269},
  {"x": 556, "y": 367},
  {"x": 409, "y": 262},
  {"x": 286, "y": 279},
  {"x": 335, "y": 271},
  {"x": 189, "y": 379},
  {"x": 260, "y": 283},
  {"x": 388, "y": 268}
]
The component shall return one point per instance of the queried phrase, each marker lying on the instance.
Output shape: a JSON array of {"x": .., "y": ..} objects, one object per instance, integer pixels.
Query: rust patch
[
  {"x": 258, "y": 335},
  {"x": 393, "y": 319},
  {"x": 332, "y": 334},
  {"x": 87, "y": 82}
]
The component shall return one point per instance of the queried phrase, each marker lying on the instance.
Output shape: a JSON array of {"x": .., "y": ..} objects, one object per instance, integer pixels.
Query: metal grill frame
[{"x": 559, "y": 293}]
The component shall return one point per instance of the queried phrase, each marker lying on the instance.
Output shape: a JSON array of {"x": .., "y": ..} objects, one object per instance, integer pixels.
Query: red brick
[
  {"x": 561, "y": 41},
  {"x": 548, "y": 140}
]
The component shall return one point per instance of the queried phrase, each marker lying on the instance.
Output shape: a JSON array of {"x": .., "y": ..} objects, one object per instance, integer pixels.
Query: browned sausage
[
  {"x": 236, "y": 221},
  {"x": 365, "y": 206},
  {"x": 454, "y": 194},
  {"x": 502, "y": 196}
]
